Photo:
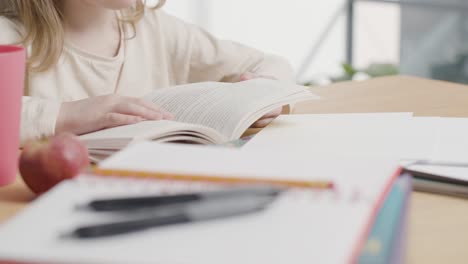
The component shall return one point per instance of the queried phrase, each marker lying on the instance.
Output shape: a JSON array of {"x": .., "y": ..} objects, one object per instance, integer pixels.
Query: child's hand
[
  {"x": 95, "y": 113},
  {"x": 268, "y": 118},
  {"x": 250, "y": 75}
]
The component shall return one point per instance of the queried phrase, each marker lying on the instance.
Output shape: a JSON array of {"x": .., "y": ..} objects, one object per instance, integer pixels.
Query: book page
[
  {"x": 119, "y": 137},
  {"x": 223, "y": 106}
]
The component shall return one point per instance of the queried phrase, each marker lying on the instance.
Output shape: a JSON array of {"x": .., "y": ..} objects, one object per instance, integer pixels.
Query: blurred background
[{"x": 334, "y": 40}]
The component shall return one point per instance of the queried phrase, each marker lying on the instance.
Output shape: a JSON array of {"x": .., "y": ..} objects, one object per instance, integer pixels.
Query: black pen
[
  {"x": 135, "y": 203},
  {"x": 192, "y": 213}
]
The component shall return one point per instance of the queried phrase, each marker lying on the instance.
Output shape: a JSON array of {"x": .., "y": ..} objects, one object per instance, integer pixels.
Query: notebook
[
  {"x": 450, "y": 146},
  {"x": 387, "y": 240},
  {"x": 301, "y": 226}
]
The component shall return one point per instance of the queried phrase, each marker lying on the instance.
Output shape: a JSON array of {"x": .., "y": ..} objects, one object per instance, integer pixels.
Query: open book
[{"x": 205, "y": 113}]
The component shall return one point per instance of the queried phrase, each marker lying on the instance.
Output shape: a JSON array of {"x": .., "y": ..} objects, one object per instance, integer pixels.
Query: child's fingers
[
  {"x": 145, "y": 103},
  {"x": 138, "y": 110},
  {"x": 248, "y": 76},
  {"x": 273, "y": 114},
  {"x": 168, "y": 116},
  {"x": 116, "y": 119},
  {"x": 262, "y": 123},
  {"x": 153, "y": 107}
]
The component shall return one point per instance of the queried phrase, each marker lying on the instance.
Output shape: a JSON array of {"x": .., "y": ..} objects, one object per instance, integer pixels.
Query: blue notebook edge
[{"x": 386, "y": 241}]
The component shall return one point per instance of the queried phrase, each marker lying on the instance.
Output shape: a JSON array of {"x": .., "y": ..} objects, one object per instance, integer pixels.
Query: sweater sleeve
[
  {"x": 206, "y": 58},
  {"x": 38, "y": 116}
]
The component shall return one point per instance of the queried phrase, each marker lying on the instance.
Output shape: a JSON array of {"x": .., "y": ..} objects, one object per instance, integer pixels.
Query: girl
[{"x": 89, "y": 61}]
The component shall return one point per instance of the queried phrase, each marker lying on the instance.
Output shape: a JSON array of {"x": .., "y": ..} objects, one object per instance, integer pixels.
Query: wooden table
[{"x": 438, "y": 226}]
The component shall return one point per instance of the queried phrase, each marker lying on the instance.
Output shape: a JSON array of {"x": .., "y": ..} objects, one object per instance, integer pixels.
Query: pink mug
[{"x": 12, "y": 73}]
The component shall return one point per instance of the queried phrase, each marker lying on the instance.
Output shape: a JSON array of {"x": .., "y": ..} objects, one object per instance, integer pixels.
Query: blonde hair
[{"x": 42, "y": 22}]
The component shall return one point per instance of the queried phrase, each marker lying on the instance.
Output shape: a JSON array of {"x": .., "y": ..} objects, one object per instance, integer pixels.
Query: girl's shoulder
[
  {"x": 11, "y": 31},
  {"x": 170, "y": 26},
  {"x": 158, "y": 17}
]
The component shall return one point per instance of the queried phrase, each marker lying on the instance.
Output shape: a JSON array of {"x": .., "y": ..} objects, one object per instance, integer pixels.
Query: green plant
[{"x": 374, "y": 70}]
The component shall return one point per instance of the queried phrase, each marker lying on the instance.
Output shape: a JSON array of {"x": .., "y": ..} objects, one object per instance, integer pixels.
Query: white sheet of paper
[
  {"x": 452, "y": 140},
  {"x": 380, "y": 134},
  {"x": 450, "y": 145},
  {"x": 260, "y": 163},
  {"x": 397, "y": 134},
  {"x": 300, "y": 227}
]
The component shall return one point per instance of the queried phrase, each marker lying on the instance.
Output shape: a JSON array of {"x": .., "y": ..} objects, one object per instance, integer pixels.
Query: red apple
[{"x": 45, "y": 163}]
